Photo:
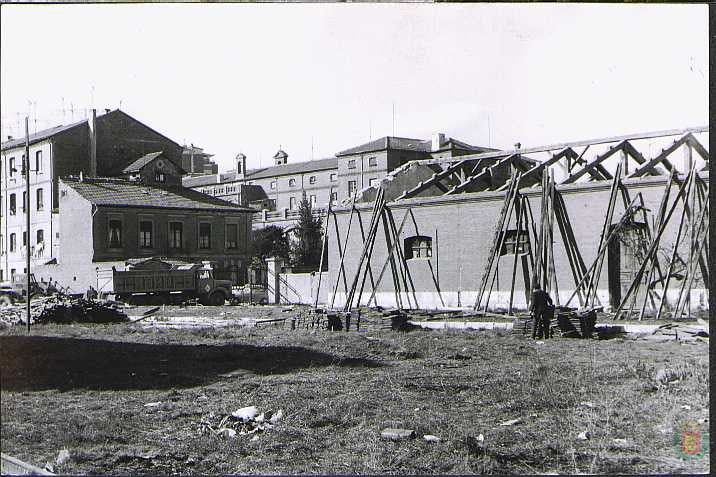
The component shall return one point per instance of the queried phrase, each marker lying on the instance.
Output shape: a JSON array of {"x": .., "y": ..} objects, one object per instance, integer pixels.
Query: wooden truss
[{"x": 491, "y": 171}]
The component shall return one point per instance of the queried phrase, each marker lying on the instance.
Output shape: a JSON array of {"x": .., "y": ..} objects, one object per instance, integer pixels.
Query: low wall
[
  {"x": 78, "y": 277},
  {"x": 302, "y": 288}
]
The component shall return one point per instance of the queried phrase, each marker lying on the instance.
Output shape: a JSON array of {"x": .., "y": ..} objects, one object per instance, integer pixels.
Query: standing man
[{"x": 541, "y": 308}]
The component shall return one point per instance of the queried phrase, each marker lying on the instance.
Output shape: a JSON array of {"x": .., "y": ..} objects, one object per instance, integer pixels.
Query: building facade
[
  {"x": 103, "y": 145},
  {"x": 335, "y": 179},
  {"x": 115, "y": 219}
]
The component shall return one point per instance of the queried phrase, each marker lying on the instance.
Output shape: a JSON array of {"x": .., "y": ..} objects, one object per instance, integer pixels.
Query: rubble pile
[
  {"x": 244, "y": 421},
  {"x": 56, "y": 309},
  {"x": 576, "y": 324}
]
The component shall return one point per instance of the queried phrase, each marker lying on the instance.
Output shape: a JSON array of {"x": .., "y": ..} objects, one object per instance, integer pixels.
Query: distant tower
[
  {"x": 280, "y": 158},
  {"x": 240, "y": 166}
]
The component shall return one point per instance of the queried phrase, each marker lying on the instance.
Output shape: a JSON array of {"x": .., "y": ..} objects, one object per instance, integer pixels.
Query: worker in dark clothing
[{"x": 542, "y": 310}]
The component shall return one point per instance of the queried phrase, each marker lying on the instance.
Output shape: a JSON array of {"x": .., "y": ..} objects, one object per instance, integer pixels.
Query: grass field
[{"x": 84, "y": 388}]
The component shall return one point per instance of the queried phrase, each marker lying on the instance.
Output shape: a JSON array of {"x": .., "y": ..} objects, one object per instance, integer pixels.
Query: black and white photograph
[{"x": 354, "y": 238}]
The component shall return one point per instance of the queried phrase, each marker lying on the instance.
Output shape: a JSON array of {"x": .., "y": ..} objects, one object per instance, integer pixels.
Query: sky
[{"x": 317, "y": 79}]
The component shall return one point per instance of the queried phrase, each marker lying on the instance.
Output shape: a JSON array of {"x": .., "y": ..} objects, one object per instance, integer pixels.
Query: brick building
[
  {"x": 196, "y": 162},
  {"x": 277, "y": 190},
  {"x": 115, "y": 220},
  {"x": 103, "y": 145},
  {"x": 450, "y": 226}
]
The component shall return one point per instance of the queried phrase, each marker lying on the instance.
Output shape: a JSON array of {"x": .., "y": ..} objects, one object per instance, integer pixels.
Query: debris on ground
[
  {"x": 431, "y": 438},
  {"x": 62, "y": 457},
  {"x": 668, "y": 375},
  {"x": 62, "y": 310},
  {"x": 242, "y": 422},
  {"x": 511, "y": 422},
  {"x": 583, "y": 436},
  {"x": 577, "y": 324},
  {"x": 392, "y": 434}
]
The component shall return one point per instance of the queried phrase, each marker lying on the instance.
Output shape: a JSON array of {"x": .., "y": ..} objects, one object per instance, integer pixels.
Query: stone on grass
[
  {"x": 62, "y": 457},
  {"x": 396, "y": 434},
  {"x": 276, "y": 417},
  {"x": 245, "y": 414},
  {"x": 431, "y": 438},
  {"x": 583, "y": 436},
  {"x": 511, "y": 422}
]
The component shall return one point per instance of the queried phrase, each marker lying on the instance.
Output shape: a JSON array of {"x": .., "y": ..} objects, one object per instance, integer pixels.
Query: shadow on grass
[{"x": 35, "y": 363}]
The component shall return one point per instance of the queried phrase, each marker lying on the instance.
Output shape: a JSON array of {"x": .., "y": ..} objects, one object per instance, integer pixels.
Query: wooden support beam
[
  {"x": 662, "y": 157},
  {"x": 573, "y": 144},
  {"x": 595, "y": 164},
  {"x": 653, "y": 248}
]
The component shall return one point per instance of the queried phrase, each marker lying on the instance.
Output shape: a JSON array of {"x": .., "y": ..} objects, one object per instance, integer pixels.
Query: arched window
[{"x": 418, "y": 246}]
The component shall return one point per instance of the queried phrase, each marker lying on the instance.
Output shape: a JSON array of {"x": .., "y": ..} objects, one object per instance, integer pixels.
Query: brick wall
[{"x": 462, "y": 229}]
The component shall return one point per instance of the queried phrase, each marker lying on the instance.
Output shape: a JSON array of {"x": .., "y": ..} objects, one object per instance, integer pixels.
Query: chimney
[
  {"x": 281, "y": 158},
  {"x": 93, "y": 144},
  {"x": 240, "y": 165},
  {"x": 438, "y": 140}
]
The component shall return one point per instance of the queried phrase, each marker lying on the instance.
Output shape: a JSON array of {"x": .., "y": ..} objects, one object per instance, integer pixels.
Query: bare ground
[{"x": 84, "y": 388}]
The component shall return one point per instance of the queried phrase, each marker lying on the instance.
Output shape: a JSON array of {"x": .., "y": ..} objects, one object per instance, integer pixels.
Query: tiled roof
[
  {"x": 137, "y": 165},
  {"x": 41, "y": 135},
  {"x": 293, "y": 168},
  {"x": 408, "y": 144},
  {"x": 121, "y": 193},
  {"x": 194, "y": 181},
  {"x": 388, "y": 142}
]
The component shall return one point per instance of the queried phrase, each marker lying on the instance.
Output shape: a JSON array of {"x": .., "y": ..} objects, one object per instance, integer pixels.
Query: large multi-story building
[
  {"x": 276, "y": 191},
  {"x": 103, "y": 145}
]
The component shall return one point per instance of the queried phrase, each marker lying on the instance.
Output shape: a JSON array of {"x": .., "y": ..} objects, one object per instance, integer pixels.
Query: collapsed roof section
[{"x": 491, "y": 171}]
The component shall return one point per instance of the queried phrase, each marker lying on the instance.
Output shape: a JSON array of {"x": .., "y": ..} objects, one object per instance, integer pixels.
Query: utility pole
[{"x": 27, "y": 214}]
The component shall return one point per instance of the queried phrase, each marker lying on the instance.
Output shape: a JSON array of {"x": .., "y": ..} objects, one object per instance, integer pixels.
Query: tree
[
  {"x": 306, "y": 250},
  {"x": 270, "y": 242}
]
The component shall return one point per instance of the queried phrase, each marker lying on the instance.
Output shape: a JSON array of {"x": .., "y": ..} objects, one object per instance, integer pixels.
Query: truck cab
[{"x": 212, "y": 291}]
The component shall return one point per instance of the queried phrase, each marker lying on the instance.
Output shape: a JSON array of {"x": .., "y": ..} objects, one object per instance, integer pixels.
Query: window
[
  {"x": 145, "y": 233},
  {"x": 351, "y": 188},
  {"x": 511, "y": 245},
  {"x": 38, "y": 162},
  {"x": 334, "y": 197},
  {"x": 13, "y": 242},
  {"x": 11, "y": 168},
  {"x": 312, "y": 180},
  {"x": 418, "y": 246},
  {"x": 273, "y": 184},
  {"x": 115, "y": 233},
  {"x": 24, "y": 200},
  {"x": 40, "y": 248},
  {"x": 160, "y": 177},
  {"x": 232, "y": 236},
  {"x": 312, "y": 200},
  {"x": 292, "y": 182},
  {"x": 334, "y": 177},
  {"x": 24, "y": 239},
  {"x": 204, "y": 235},
  {"x": 176, "y": 235},
  {"x": 40, "y": 201},
  {"x": 372, "y": 181},
  {"x": 292, "y": 203},
  {"x": 352, "y": 164},
  {"x": 372, "y": 161},
  {"x": 13, "y": 204}
]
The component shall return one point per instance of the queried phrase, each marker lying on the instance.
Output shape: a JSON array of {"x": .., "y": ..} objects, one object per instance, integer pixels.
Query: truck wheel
[{"x": 216, "y": 299}]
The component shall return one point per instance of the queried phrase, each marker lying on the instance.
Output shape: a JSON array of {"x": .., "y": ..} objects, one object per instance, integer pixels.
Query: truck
[{"x": 171, "y": 286}]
